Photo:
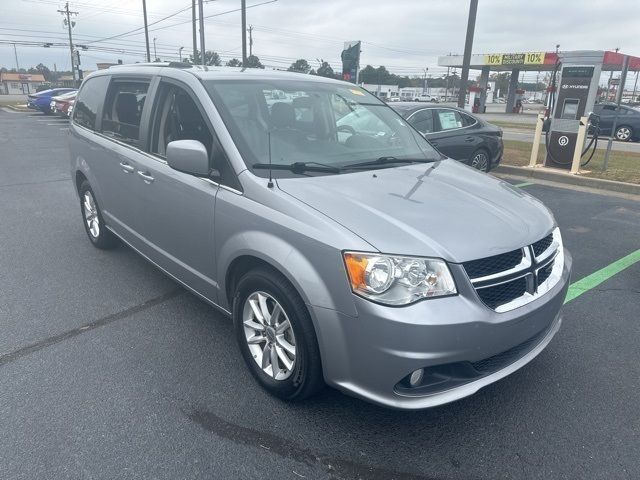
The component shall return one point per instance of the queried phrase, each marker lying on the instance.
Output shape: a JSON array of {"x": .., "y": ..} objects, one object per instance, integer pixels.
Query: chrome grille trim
[
  {"x": 529, "y": 268},
  {"x": 524, "y": 264}
]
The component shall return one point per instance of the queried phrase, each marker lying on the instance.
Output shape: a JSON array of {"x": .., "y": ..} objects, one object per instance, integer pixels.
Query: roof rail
[{"x": 155, "y": 64}]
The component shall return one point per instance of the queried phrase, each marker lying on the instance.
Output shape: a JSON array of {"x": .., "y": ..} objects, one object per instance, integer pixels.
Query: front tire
[
  {"x": 624, "y": 133},
  {"x": 92, "y": 218},
  {"x": 276, "y": 335}
]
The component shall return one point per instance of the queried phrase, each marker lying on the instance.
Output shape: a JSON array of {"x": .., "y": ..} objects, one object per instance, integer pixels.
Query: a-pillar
[
  {"x": 484, "y": 81},
  {"x": 511, "y": 94}
]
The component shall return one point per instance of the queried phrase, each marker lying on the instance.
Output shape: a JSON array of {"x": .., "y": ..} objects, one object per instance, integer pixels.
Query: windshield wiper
[
  {"x": 299, "y": 167},
  {"x": 387, "y": 161}
]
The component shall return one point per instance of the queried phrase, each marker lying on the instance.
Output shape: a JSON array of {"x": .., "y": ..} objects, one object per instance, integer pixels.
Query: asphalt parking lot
[{"x": 109, "y": 369}]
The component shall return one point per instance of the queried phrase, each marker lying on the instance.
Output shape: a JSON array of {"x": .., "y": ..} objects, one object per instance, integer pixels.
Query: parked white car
[{"x": 426, "y": 98}]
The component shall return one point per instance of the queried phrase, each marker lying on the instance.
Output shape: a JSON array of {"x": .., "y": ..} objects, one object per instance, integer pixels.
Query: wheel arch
[
  {"x": 243, "y": 252},
  {"x": 80, "y": 177}
]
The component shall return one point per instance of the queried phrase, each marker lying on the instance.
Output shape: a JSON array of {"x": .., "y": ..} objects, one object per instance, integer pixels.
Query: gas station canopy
[{"x": 536, "y": 61}]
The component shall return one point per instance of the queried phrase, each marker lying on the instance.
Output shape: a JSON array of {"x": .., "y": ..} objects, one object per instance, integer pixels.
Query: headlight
[{"x": 397, "y": 280}]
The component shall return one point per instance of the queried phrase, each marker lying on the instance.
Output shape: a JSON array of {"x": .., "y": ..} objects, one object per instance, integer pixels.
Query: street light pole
[
  {"x": 201, "y": 15},
  {"x": 466, "y": 59},
  {"x": 195, "y": 35},
  {"x": 146, "y": 29},
  {"x": 180, "y": 53},
  {"x": 155, "y": 54},
  {"x": 243, "y": 8}
]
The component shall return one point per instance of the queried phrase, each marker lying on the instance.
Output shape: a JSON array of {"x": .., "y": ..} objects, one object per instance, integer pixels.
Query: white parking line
[{"x": 56, "y": 124}]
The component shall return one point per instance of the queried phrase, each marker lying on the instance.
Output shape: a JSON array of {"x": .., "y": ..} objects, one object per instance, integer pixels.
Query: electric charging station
[
  {"x": 572, "y": 96},
  {"x": 576, "y": 89}
]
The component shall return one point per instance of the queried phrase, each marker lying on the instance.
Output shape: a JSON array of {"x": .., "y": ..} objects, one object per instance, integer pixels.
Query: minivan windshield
[{"x": 325, "y": 124}]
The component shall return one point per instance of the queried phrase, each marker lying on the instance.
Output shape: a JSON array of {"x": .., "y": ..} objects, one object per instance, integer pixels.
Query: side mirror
[{"x": 188, "y": 156}]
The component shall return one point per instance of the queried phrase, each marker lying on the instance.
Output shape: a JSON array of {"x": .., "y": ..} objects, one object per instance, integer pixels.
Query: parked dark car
[
  {"x": 41, "y": 101},
  {"x": 456, "y": 133},
  {"x": 627, "y": 126}
]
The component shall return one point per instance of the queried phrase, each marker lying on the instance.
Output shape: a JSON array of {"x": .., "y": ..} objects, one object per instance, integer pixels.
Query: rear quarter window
[{"x": 90, "y": 97}]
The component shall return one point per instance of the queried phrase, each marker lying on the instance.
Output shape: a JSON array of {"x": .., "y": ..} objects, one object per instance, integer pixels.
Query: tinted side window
[
  {"x": 467, "y": 120},
  {"x": 422, "y": 121},
  {"x": 89, "y": 99},
  {"x": 449, "y": 119},
  {"x": 178, "y": 117},
  {"x": 123, "y": 110}
]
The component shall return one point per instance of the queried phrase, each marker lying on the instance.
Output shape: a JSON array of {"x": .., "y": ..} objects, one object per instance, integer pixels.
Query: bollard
[
  {"x": 577, "y": 153},
  {"x": 533, "y": 161}
]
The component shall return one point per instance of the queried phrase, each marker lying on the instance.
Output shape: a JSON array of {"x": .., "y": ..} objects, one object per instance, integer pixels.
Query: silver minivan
[{"x": 348, "y": 252}]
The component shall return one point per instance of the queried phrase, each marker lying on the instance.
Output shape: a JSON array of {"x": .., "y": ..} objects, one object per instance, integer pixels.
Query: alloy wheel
[
  {"x": 269, "y": 335},
  {"x": 623, "y": 133},
  {"x": 480, "y": 161},
  {"x": 91, "y": 214}
]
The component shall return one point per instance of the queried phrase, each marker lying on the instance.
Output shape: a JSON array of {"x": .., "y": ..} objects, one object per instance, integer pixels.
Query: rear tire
[
  {"x": 286, "y": 338},
  {"x": 93, "y": 222},
  {"x": 480, "y": 160},
  {"x": 624, "y": 133}
]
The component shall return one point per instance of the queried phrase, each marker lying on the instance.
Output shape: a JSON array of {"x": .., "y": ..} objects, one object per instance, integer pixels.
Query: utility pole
[
  {"x": 250, "y": 29},
  {"x": 195, "y": 36},
  {"x": 15, "y": 51},
  {"x": 155, "y": 54},
  {"x": 67, "y": 14},
  {"x": 609, "y": 82},
  {"x": 623, "y": 78},
  {"x": 446, "y": 87},
  {"x": 468, "y": 45},
  {"x": 201, "y": 21},
  {"x": 243, "y": 7},
  {"x": 424, "y": 84},
  {"x": 146, "y": 29}
]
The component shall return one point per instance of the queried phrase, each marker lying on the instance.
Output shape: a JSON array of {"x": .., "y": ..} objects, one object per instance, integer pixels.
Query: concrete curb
[{"x": 561, "y": 177}]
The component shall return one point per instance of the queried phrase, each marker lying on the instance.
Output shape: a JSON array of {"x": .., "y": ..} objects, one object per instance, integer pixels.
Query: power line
[{"x": 137, "y": 30}]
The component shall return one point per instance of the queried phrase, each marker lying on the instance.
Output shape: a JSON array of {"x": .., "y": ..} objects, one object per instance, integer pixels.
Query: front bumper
[{"x": 368, "y": 356}]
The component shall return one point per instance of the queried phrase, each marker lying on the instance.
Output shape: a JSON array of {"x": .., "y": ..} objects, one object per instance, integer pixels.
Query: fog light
[{"x": 416, "y": 377}]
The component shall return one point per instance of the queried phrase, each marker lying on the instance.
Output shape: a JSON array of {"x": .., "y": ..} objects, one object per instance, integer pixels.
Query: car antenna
[{"x": 270, "y": 183}]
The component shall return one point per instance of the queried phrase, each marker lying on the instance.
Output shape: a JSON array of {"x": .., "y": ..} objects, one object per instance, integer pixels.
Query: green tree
[
  {"x": 325, "y": 70},
  {"x": 301, "y": 66},
  {"x": 44, "y": 70},
  {"x": 253, "y": 62},
  {"x": 210, "y": 58},
  {"x": 234, "y": 62},
  {"x": 502, "y": 82}
]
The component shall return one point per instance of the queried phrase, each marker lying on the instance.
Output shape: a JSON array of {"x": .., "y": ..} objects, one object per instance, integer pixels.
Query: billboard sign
[
  {"x": 530, "y": 58},
  {"x": 351, "y": 61}
]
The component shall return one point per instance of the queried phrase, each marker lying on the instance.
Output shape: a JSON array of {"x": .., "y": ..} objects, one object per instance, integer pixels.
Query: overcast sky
[{"x": 404, "y": 35}]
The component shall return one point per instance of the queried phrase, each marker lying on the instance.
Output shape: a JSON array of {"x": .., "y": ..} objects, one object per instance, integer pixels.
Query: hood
[{"x": 443, "y": 209}]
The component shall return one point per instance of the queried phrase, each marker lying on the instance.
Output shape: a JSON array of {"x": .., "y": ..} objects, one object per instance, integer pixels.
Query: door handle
[
  {"x": 469, "y": 139},
  {"x": 126, "y": 168},
  {"x": 146, "y": 177}
]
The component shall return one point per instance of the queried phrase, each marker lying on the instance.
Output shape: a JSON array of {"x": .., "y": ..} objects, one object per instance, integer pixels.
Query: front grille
[
  {"x": 544, "y": 273},
  {"x": 500, "y": 294},
  {"x": 541, "y": 246},
  {"x": 492, "y": 265},
  {"x": 501, "y": 279}
]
